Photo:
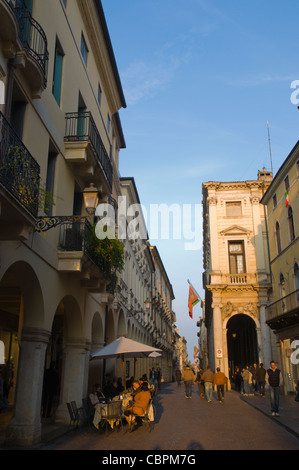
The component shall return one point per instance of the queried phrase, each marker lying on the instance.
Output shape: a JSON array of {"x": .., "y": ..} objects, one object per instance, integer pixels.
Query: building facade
[
  {"x": 236, "y": 273},
  {"x": 60, "y": 135},
  {"x": 282, "y": 315}
]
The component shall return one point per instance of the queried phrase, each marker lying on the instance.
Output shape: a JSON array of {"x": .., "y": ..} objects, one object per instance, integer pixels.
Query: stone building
[
  {"x": 236, "y": 273},
  {"x": 282, "y": 315},
  {"x": 60, "y": 141}
]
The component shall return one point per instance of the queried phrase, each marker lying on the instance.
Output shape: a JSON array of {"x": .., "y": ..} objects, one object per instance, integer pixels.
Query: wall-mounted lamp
[{"x": 91, "y": 199}]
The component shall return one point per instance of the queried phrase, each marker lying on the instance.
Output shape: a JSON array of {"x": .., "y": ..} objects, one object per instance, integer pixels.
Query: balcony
[
  {"x": 85, "y": 151},
  {"x": 19, "y": 185},
  {"x": 233, "y": 280},
  {"x": 8, "y": 23},
  {"x": 284, "y": 312},
  {"x": 76, "y": 255},
  {"x": 25, "y": 39}
]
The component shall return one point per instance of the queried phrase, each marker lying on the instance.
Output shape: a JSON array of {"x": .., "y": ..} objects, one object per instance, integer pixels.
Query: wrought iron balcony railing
[
  {"x": 286, "y": 307},
  {"x": 80, "y": 126},
  {"x": 32, "y": 36},
  {"x": 77, "y": 236},
  {"x": 19, "y": 172}
]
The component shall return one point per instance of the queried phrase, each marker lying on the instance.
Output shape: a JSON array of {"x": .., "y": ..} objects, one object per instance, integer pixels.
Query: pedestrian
[
  {"x": 200, "y": 383},
  {"x": 178, "y": 376},
  {"x": 50, "y": 388},
  {"x": 260, "y": 377},
  {"x": 220, "y": 381},
  {"x": 153, "y": 377},
  {"x": 253, "y": 370},
  {"x": 188, "y": 378},
  {"x": 247, "y": 379},
  {"x": 274, "y": 380},
  {"x": 208, "y": 378},
  {"x": 237, "y": 378}
]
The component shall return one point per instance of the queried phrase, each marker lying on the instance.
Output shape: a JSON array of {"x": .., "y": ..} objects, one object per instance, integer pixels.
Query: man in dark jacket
[
  {"x": 260, "y": 377},
  {"x": 274, "y": 380}
]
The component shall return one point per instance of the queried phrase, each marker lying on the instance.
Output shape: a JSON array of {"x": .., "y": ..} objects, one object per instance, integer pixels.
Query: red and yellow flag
[{"x": 193, "y": 300}]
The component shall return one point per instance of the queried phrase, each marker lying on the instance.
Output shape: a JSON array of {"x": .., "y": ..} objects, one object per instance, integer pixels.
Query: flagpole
[{"x": 194, "y": 290}]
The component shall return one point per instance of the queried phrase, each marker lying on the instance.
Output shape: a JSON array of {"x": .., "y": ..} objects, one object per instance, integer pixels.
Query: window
[
  {"x": 57, "y": 78},
  {"x": 233, "y": 209},
  {"x": 48, "y": 203},
  {"x": 84, "y": 49},
  {"x": 287, "y": 182},
  {"x": 291, "y": 224},
  {"x": 108, "y": 123},
  {"x": 277, "y": 237},
  {"x": 297, "y": 167},
  {"x": 236, "y": 257},
  {"x": 274, "y": 199}
]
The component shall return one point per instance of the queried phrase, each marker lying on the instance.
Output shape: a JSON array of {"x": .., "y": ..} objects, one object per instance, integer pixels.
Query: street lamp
[
  {"x": 147, "y": 304},
  {"x": 91, "y": 200}
]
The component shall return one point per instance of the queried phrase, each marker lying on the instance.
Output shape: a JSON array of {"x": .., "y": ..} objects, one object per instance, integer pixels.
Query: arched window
[
  {"x": 291, "y": 223},
  {"x": 282, "y": 290},
  {"x": 277, "y": 236}
]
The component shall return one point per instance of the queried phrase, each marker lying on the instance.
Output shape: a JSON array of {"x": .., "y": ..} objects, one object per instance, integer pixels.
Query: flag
[
  {"x": 193, "y": 300},
  {"x": 196, "y": 350},
  {"x": 287, "y": 197}
]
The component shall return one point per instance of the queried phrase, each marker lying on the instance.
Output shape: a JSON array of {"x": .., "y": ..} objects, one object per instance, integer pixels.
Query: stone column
[
  {"x": 266, "y": 350},
  {"x": 24, "y": 428},
  {"x": 73, "y": 378},
  {"x": 218, "y": 334}
]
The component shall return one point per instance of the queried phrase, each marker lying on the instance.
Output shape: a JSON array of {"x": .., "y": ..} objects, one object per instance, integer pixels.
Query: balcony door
[
  {"x": 81, "y": 124},
  {"x": 236, "y": 257}
]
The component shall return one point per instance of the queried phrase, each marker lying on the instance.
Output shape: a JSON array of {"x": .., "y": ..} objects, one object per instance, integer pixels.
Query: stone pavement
[
  {"x": 240, "y": 423},
  {"x": 289, "y": 410}
]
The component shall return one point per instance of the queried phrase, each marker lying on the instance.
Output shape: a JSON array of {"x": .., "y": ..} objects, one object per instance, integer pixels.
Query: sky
[{"x": 201, "y": 79}]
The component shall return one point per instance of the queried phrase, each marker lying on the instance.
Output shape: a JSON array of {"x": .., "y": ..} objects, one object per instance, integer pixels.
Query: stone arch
[
  {"x": 242, "y": 340},
  {"x": 121, "y": 326}
]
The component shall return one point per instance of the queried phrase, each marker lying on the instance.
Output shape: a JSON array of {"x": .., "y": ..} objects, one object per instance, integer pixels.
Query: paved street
[{"x": 183, "y": 424}]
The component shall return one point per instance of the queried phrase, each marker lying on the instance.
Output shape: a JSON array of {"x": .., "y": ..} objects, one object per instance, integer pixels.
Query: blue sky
[{"x": 201, "y": 79}]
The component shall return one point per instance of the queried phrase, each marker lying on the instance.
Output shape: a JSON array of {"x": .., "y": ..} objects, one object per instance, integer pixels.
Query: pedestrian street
[{"x": 190, "y": 425}]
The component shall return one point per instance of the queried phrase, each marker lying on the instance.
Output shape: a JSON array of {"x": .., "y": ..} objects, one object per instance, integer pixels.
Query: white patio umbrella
[{"x": 125, "y": 348}]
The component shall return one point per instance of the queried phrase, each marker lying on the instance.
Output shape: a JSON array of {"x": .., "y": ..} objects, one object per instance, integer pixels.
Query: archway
[{"x": 241, "y": 341}]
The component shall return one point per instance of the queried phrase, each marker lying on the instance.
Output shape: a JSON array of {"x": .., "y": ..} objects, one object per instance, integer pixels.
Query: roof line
[{"x": 110, "y": 51}]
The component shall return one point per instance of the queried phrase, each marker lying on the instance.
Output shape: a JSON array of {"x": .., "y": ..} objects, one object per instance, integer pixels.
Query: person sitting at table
[
  {"x": 135, "y": 389},
  {"x": 97, "y": 396},
  {"x": 138, "y": 407},
  {"x": 120, "y": 386},
  {"x": 110, "y": 391}
]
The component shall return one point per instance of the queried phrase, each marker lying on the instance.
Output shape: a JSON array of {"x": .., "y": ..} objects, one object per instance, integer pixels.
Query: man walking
[
  {"x": 260, "y": 377},
  {"x": 188, "y": 378},
  {"x": 274, "y": 380},
  {"x": 208, "y": 378},
  {"x": 220, "y": 380}
]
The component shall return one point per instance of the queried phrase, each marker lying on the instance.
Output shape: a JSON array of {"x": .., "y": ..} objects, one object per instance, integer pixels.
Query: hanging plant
[{"x": 111, "y": 252}]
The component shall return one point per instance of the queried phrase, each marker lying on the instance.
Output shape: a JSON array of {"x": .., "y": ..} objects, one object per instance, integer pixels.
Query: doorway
[{"x": 241, "y": 342}]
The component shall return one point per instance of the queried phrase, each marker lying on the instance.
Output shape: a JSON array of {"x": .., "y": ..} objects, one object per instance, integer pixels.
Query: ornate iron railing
[
  {"x": 78, "y": 236},
  {"x": 32, "y": 36},
  {"x": 19, "y": 172},
  {"x": 80, "y": 126}
]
